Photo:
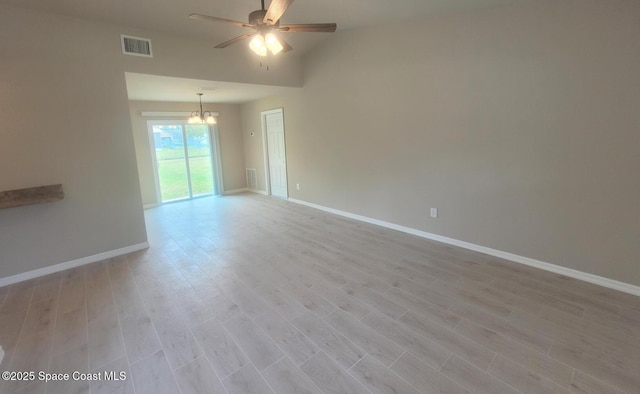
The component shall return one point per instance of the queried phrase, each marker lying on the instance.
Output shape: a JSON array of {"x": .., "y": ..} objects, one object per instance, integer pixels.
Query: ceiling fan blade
[
  {"x": 234, "y": 40},
  {"x": 285, "y": 45},
  {"x": 309, "y": 28},
  {"x": 275, "y": 11},
  {"x": 216, "y": 19}
]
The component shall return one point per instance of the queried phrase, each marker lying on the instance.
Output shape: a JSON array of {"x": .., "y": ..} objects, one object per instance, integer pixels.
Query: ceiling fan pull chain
[{"x": 266, "y": 63}]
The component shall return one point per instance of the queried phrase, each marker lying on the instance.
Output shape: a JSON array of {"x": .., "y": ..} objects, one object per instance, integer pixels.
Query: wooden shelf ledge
[{"x": 31, "y": 195}]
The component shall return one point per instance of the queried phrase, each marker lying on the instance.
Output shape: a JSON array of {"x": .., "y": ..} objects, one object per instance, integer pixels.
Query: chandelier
[{"x": 201, "y": 117}]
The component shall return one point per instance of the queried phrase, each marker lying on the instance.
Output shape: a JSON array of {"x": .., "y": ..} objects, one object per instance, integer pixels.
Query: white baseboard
[
  {"x": 595, "y": 279},
  {"x": 149, "y": 206},
  {"x": 264, "y": 193},
  {"x": 9, "y": 280},
  {"x": 235, "y": 191}
]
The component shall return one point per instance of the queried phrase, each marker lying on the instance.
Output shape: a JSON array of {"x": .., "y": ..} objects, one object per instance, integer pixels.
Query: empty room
[{"x": 338, "y": 196}]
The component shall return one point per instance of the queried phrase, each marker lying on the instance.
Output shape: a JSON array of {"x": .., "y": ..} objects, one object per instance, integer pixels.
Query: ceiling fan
[{"x": 265, "y": 22}]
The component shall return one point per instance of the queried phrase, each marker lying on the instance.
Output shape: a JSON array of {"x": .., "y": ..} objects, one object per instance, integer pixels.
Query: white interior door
[{"x": 274, "y": 131}]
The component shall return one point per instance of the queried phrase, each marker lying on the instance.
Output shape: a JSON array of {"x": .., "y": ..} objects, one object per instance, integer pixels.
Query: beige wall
[
  {"x": 65, "y": 118},
  {"x": 229, "y": 132},
  {"x": 519, "y": 124}
]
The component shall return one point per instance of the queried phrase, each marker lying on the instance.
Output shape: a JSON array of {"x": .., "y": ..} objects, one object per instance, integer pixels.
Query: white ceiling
[
  {"x": 171, "y": 16},
  {"x": 146, "y": 87}
]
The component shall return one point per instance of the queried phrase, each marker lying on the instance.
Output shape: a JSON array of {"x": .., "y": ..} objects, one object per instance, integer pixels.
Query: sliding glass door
[
  {"x": 186, "y": 160},
  {"x": 171, "y": 163},
  {"x": 199, "y": 157}
]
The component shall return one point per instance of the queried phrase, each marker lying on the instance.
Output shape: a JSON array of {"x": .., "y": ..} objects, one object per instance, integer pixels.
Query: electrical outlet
[
  {"x": 297, "y": 186},
  {"x": 434, "y": 212}
]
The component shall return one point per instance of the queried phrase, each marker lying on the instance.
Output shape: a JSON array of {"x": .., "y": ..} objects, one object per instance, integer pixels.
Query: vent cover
[
  {"x": 252, "y": 180},
  {"x": 136, "y": 46}
]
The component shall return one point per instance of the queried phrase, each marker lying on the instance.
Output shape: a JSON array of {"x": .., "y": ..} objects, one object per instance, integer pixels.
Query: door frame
[
  {"x": 265, "y": 149},
  {"x": 216, "y": 169}
]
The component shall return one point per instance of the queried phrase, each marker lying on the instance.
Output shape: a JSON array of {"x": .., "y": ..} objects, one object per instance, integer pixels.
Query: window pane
[{"x": 172, "y": 166}]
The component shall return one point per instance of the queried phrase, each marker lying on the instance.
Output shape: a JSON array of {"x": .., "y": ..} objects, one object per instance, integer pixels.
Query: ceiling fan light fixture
[
  {"x": 258, "y": 45},
  {"x": 273, "y": 43}
]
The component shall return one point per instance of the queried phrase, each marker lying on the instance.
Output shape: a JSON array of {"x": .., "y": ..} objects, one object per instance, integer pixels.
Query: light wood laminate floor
[{"x": 249, "y": 294}]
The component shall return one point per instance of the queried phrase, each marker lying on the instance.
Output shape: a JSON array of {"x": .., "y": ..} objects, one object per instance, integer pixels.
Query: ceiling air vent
[{"x": 136, "y": 46}]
